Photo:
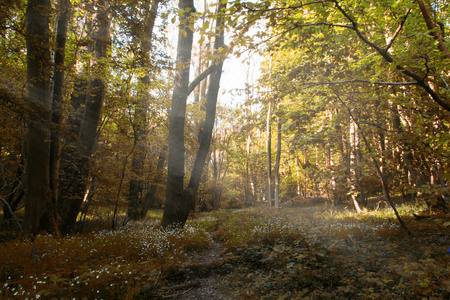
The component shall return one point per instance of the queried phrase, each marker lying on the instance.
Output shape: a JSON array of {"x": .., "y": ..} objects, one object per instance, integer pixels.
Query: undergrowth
[
  {"x": 329, "y": 254},
  {"x": 309, "y": 253},
  {"x": 98, "y": 265}
]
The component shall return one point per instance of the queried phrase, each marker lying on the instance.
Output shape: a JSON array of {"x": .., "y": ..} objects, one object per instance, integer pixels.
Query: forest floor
[{"x": 292, "y": 253}]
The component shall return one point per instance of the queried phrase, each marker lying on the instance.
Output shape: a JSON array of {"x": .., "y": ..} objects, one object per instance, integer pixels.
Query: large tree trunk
[
  {"x": 64, "y": 9},
  {"x": 176, "y": 210},
  {"x": 70, "y": 202},
  {"x": 210, "y": 107},
  {"x": 37, "y": 175},
  {"x": 136, "y": 199}
]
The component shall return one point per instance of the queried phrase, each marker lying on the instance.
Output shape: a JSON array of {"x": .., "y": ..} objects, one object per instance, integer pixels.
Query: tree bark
[
  {"x": 71, "y": 201},
  {"x": 176, "y": 210},
  {"x": 64, "y": 10},
  {"x": 37, "y": 174}
]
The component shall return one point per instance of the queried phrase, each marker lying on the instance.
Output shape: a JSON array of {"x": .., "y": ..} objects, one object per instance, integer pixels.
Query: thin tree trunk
[
  {"x": 269, "y": 156},
  {"x": 37, "y": 174},
  {"x": 297, "y": 168},
  {"x": 176, "y": 210},
  {"x": 251, "y": 171},
  {"x": 215, "y": 187},
  {"x": 359, "y": 162},
  {"x": 353, "y": 179},
  {"x": 277, "y": 165}
]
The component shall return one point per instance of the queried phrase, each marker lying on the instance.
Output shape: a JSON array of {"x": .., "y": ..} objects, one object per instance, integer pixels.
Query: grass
[{"x": 286, "y": 254}]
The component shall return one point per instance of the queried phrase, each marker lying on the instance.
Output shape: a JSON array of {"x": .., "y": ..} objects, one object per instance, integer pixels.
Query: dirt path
[{"x": 204, "y": 286}]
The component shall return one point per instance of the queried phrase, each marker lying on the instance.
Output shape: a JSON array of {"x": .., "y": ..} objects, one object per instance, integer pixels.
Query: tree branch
[
  {"x": 200, "y": 77},
  {"x": 420, "y": 81},
  {"x": 361, "y": 36},
  {"x": 245, "y": 5},
  {"x": 400, "y": 26},
  {"x": 364, "y": 81},
  {"x": 322, "y": 23}
]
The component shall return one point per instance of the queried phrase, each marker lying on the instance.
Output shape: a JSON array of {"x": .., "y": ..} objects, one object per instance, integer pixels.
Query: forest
[{"x": 224, "y": 149}]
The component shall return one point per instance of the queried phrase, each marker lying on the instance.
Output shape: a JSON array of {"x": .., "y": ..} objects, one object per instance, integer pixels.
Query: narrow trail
[{"x": 205, "y": 284}]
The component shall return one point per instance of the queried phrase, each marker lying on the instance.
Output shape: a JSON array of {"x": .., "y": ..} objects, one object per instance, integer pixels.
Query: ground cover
[
  {"x": 317, "y": 254},
  {"x": 291, "y": 253}
]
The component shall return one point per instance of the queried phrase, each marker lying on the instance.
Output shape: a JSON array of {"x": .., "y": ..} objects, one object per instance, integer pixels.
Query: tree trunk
[
  {"x": 149, "y": 197},
  {"x": 37, "y": 174},
  {"x": 215, "y": 186},
  {"x": 210, "y": 106},
  {"x": 176, "y": 210},
  {"x": 136, "y": 199},
  {"x": 375, "y": 162},
  {"x": 359, "y": 163},
  {"x": 434, "y": 31},
  {"x": 64, "y": 10},
  {"x": 269, "y": 157},
  {"x": 297, "y": 168},
  {"x": 354, "y": 140},
  {"x": 71, "y": 201},
  {"x": 277, "y": 165},
  {"x": 250, "y": 172}
]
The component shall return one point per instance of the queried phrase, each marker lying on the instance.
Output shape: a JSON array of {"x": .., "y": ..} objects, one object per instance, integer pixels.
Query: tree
[
  {"x": 37, "y": 174},
  {"x": 77, "y": 177},
  {"x": 64, "y": 8},
  {"x": 176, "y": 210},
  {"x": 210, "y": 107},
  {"x": 277, "y": 164},
  {"x": 269, "y": 155},
  {"x": 186, "y": 201},
  {"x": 136, "y": 196}
]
